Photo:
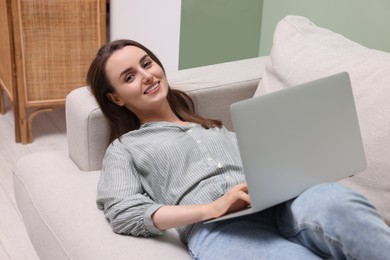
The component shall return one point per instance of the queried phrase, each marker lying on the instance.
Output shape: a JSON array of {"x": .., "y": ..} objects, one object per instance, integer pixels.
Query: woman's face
[{"x": 140, "y": 83}]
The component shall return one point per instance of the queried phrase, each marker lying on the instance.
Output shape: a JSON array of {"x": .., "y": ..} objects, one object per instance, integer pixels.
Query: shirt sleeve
[{"x": 120, "y": 195}]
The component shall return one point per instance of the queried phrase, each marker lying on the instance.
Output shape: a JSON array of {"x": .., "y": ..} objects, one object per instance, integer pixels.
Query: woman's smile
[{"x": 152, "y": 89}]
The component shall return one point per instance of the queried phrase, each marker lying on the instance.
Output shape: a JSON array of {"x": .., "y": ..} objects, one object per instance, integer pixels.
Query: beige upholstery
[{"x": 56, "y": 194}]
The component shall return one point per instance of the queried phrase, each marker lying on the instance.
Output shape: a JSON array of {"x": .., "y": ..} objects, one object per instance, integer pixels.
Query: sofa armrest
[
  {"x": 86, "y": 128},
  {"x": 213, "y": 88}
]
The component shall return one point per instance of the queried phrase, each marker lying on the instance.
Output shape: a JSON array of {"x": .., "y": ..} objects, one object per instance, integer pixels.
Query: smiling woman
[{"x": 129, "y": 83}]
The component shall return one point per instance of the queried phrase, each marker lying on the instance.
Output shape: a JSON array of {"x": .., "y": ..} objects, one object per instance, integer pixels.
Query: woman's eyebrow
[
  {"x": 129, "y": 69},
  {"x": 143, "y": 58}
]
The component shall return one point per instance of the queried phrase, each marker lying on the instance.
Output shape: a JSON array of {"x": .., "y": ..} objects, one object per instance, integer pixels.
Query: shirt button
[
  {"x": 209, "y": 159},
  {"x": 220, "y": 165},
  {"x": 198, "y": 141},
  {"x": 190, "y": 131}
]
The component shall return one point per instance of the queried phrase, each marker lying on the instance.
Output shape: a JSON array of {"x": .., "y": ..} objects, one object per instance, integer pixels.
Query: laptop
[{"x": 295, "y": 138}]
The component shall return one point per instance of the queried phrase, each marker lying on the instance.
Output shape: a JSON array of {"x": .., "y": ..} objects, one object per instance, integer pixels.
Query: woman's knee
[{"x": 327, "y": 200}]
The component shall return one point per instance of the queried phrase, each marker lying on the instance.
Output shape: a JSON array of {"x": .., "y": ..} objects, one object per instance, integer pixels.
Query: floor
[{"x": 49, "y": 133}]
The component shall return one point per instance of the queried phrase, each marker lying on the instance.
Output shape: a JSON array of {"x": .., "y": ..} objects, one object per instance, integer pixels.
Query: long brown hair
[{"x": 120, "y": 119}]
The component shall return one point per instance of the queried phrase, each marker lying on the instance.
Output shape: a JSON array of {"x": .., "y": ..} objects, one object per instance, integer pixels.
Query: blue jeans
[{"x": 326, "y": 221}]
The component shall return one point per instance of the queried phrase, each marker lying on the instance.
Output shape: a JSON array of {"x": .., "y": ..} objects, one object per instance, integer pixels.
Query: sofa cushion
[{"x": 302, "y": 52}]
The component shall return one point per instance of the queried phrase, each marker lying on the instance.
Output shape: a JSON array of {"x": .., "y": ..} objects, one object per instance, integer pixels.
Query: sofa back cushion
[{"x": 303, "y": 52}]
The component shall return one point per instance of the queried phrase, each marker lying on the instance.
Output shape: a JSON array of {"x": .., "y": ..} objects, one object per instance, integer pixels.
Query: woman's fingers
[
  {"x": 242, "y": 192},
  {"x": 245, "y": 196},
  {"x": 235, "y": 199},
  {"x": 242, "y": 186}
]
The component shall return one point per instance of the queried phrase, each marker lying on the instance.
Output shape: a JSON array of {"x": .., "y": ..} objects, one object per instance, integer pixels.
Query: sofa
[{"x": 56, "y": 193}]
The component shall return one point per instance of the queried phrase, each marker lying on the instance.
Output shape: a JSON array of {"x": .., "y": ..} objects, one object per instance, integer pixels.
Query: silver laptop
[{"x": 295, "y": 138}]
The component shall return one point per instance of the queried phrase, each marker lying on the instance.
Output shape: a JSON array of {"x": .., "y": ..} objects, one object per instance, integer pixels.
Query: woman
[{"x": 167, "y": 167}]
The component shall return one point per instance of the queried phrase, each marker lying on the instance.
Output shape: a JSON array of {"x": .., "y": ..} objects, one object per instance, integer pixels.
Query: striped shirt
[{"x": 165, "y": 164}]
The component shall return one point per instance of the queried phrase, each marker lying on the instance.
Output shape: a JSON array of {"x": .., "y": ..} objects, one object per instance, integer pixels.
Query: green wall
[
  {"x": 366, "y": 22},
  {"x": 215, "y": 31}
]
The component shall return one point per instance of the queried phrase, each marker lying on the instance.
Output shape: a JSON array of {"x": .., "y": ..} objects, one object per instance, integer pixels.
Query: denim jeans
[{"x": 326, "y": 221}]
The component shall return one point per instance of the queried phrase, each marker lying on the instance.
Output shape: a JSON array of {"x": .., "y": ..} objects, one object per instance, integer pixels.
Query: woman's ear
[{"x": 115, "y": 99}]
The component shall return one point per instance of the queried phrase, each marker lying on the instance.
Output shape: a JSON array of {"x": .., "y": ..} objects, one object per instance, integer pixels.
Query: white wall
[{"x": 153, "y": 23}]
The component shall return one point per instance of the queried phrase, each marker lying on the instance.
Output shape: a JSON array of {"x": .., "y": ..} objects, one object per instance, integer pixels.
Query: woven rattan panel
[
  {"x": 6, "y": 64},
  {"x": 59, "y": 39}
]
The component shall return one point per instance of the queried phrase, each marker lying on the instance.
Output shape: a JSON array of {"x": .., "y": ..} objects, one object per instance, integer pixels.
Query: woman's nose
[{"x": 147, "y": 76}]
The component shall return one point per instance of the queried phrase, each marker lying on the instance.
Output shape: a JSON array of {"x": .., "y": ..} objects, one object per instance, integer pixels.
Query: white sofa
[{"x": 56, "y": 194}]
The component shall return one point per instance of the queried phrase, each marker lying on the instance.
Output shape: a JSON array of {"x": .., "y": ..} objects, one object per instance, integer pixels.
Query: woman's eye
[
  {"x": 129, "y": 78},
  {"x": 148, "y": 64}
]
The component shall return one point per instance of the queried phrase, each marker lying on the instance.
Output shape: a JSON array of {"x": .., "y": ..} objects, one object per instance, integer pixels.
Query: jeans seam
[
  {"x": 192, "y": 254},
  {"x": 314, "y": 227}
]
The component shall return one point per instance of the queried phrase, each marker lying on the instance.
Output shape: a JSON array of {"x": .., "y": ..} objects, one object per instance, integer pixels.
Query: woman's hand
[
  {"x": 174, "y": 216},
  {"x": 234, "y": 200}
]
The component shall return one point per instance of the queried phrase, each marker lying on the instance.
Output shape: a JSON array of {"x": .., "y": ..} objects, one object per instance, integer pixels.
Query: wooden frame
[{"x": 51, "y": 44}]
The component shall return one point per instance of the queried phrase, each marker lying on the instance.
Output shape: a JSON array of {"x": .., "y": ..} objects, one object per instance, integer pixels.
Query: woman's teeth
[{"x": 151, "y": 88}]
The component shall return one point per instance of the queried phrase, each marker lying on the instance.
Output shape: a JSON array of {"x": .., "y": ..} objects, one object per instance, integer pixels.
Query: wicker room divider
[{"x": 46, "y": 48}]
